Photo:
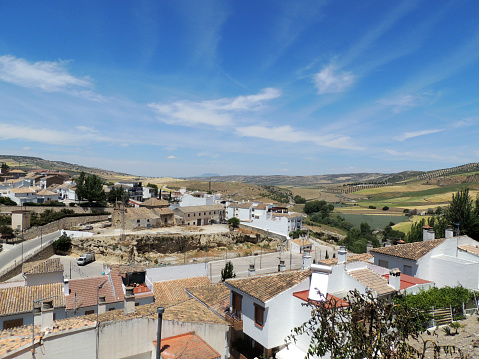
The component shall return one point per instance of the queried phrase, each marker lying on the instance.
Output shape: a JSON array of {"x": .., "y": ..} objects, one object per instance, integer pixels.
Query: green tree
[
  {"x": 318, "y": 206},
  {"x": 90, "y": 187},
  {"x": 118, "y": 194},
  {"x": 63, "y": 243},
  {"x": 299, "y": 200},
  {"x": 5, "y": 166},
  {"x": 463, "y": 211},
  {"x": 154, "y": 186},
  {"x": 228, "y": 271},
  {"x": 415, "y": 232},
  {"x": 235, "y": 222},
  {"x": 365, "y": 327}
]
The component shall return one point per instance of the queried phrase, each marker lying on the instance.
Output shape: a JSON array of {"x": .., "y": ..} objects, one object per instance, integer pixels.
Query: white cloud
[
  {"x": 423, "y": 156},
  {"x": 400, "y": 103},
  {"x": 86, "y": 129},
  {"x": 331, "y": 80},
  {"x": 171, "y": 157},
  {"x": 215, "y": 112},
  {"x": 47, "y": 76},
  {"x": 288, "y": 134},
  {"x": 26, "y": 148},
  {"x": 408, "y": 135}
]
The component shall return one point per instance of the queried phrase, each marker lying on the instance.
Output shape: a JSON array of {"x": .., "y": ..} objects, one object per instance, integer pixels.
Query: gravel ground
[{"x": 467, "y": 339}]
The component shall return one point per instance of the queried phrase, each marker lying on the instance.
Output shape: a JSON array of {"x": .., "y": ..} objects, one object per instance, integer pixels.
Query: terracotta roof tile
[
  {"x": 265, "y": 287},
  {"x": 154, "y": 202},
  {"x": 246, "y": 205},
  {"x": 83, "y": 292},
  {"x": 173, "y": 292},
  {"x": 48, "y": 266},
  {"x": 363, "y": 257},
  {"x": 470, "y": 249},
  {"x": 187, "y": 346},
  {"x": 215, "y": 296},
  {"x": 15, "y": 300},
  {"x": 412, "y": 251},
  {"x": 372, "y": 280}
]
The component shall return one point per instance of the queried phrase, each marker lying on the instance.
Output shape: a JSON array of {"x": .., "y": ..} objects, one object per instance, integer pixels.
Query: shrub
[
  {"x": 372, "y": 207},
  {"x": 62, "y": 244},
  {"x": 385, "y": 208}
]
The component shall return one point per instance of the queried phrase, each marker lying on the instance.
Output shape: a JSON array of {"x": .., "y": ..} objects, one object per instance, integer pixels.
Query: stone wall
[
  {"x": 263, "y": 232},
  {"x": 64, "y": 223},
  {"x": 41, "y": 209},
  {"x": 46, "y": 253}
]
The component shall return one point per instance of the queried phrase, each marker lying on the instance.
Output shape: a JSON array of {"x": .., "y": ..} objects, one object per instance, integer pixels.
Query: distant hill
[
  {"x": 27, "y": 163},
  {"x": 208, "y": 175}
]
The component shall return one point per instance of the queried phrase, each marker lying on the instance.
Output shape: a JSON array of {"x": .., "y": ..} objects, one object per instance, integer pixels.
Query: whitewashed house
[
  {"x": 242, "y": 211},
  {"x": 449, "y": 261}
]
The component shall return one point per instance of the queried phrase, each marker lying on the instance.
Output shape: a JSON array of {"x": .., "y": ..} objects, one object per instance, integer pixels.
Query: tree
[
  {"x": 318, "y": 206},
  {"x": 154, "y": 186},
  {"x": 299, "y": 200},
  {"x": 228, "y": 271},
  {"x": 463, "y": 211},
  {"x": 118, "y": 194},
  {"x": 234, "y": 222},
  {"x": 90, "y": 187},
  {"x": 63, "y": 243},
  {"x": 365, "y": 327},
  {"x": 5, "y": 166}
]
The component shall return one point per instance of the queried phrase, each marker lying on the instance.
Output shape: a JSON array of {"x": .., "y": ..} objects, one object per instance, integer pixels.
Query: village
[{"x": 177, "y": 272}]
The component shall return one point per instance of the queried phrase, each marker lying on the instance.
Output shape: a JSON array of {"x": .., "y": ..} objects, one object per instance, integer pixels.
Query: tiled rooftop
[
  {"x": 20, "y": 299},
  {"x": 48, "y": 266},
  {"x": 363, "y": 257},
  {"x": 154, "y": 202},
  {"x": 15, "y": 338},
  {"x": 408, "y": 281},
  {"x": 84, "y": 292},
  {"x": 195, "y": 209},
  {"x": 140, "y": 213},
  {"x": 330, "y": 299},
  {"x": 265, "y": 287},
  {"x": 372, "y": 280},
  {"x": 187, "y": 346},
  {"x": 246, "y": 205},
  {"x": 215, "y": 296},
  {"x": 412, "y": 251},
  {"x": 470, "y": 249},
  {"x": 173, "y": 292},
  {"x": 123, "y": 269}
]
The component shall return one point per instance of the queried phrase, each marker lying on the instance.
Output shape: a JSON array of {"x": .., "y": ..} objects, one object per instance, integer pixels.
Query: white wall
[
  {"x": 189, "y": 200},
  {"x": 450, "y": 271},
  {"x": 44, "y": 278},
  {"x": 161, "y": 274}
]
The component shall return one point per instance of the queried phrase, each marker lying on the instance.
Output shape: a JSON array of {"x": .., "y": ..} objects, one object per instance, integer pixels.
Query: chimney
[
  {"x": 101, "y": 304},
  {"x": 129, "y": 302},
  {"x": 251, "y": 270},
  {"x": 37, "y": 313},
  {"x": 306, "y": 260},
  {"x": 449, "y": 232},
  {"x": 281, "y": 266},
  {"x": 395, "y": 278},
  {"x": 430, "y": 234},
  {"x": 160, "y": 311},
  {"x": 369, "y": 246},
  {"x": 66, "y": 286},
  {"x": 47, "y": 314},
  {"x": 387, "y": 243},
  {"x": 342, "y": 255}
]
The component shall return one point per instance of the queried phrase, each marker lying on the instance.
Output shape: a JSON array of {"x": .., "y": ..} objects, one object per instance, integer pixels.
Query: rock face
[{"x": 155, "y": 246}]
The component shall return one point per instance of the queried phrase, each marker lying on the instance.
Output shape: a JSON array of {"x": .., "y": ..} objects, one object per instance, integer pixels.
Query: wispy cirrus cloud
[
  {"x": 422, "y": 156},
  {"x": 214, "y": 112},
  {"x": 45, "y": 75},
  {"x": 289, "y": 134},
  {"x": 332, "y": 80},
  {"x": 408, "y": 135}
]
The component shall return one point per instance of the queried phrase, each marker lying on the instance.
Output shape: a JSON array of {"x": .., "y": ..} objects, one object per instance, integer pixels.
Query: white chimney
[
  {"x": 66, "y": 286},
  {"x": 424, "y": 233},
  {"x": 387, "y": 243},
  {"x": 395, "y": 278},
  {"x": 251, "y": 270},
  {"x": 47, "y": 314},
  {"x": 281, "y": 266},
  {"x": 449, "y": 232},
  {"x": 306, "y": 260},
  {"x": 342, "y": 255},
  {"x": 431, "y": 234},
  {"x": 101, "y": 304},
  {"x": 369, "y": 246},
  {"x": 37, "y": 313},
  {"x": 129, "y": 301}
]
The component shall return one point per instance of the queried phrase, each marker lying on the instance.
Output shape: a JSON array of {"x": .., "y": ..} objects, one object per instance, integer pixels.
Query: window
[
  {"x": 137, "y": 304},
  {"x": 383, "y": 263},
  {"x": 258, "y": 315},
  {"x": 89, "y": 312},
  {"x": 110, "y": 309},
  {"x": 237, "y": 304},
  {"x": 407, "y": 270},
  {"x": 188, "y": 214},
  {"x": 12, "y": 323}
]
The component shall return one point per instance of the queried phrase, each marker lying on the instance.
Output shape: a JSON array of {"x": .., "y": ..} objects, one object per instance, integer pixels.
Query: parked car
[
  {"x": 85, "y": 259},
  {"x": 88, "y": 228}
]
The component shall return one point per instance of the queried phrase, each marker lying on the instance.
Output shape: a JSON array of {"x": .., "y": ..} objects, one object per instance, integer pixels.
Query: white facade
[
  {"x": 242, "y": 211},
  {"x": 446, "y": 264},
  {"x": 189, "y": 200}
]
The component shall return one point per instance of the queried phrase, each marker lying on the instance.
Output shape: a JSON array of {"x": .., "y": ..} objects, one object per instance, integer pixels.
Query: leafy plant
[
  {"x": 62, "y": 244},
  {"x": 228, "y": 271}
]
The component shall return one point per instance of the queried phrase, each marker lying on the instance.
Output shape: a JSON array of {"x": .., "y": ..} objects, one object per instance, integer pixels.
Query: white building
[
  {"x": 449, "y": 261},
  {"x": 242, "y": 211}
]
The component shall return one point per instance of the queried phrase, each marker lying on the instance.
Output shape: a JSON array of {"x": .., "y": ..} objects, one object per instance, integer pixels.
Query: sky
[{"x": 182, "y": 88}]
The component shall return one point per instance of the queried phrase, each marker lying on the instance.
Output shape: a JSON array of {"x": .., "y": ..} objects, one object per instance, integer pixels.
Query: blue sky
[{"x": 181, "y": 88}]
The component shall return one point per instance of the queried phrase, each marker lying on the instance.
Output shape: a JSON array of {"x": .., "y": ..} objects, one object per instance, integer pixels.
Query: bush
[
  {"x": 7, "y": 201},
  {"x": 385, "y": 208},
  {"x": 62, "y": 244},
  {"x": 299, "y": 200},
  {"x": 234, "y": 222},
  {"x": 372, "y": 207}
]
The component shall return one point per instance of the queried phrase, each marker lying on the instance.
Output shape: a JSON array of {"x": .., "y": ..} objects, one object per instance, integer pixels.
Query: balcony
[{"x": 234, "y": 320}]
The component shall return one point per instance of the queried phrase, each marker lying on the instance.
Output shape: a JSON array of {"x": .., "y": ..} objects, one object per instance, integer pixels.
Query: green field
[{"x": 375, "y": 221}]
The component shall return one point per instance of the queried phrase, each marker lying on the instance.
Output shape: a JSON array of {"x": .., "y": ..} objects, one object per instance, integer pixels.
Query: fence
[{"x": 27, "y": 257}]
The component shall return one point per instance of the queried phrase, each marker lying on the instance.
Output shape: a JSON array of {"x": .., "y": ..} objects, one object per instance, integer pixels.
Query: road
[{"x": 19, "y": 252}]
